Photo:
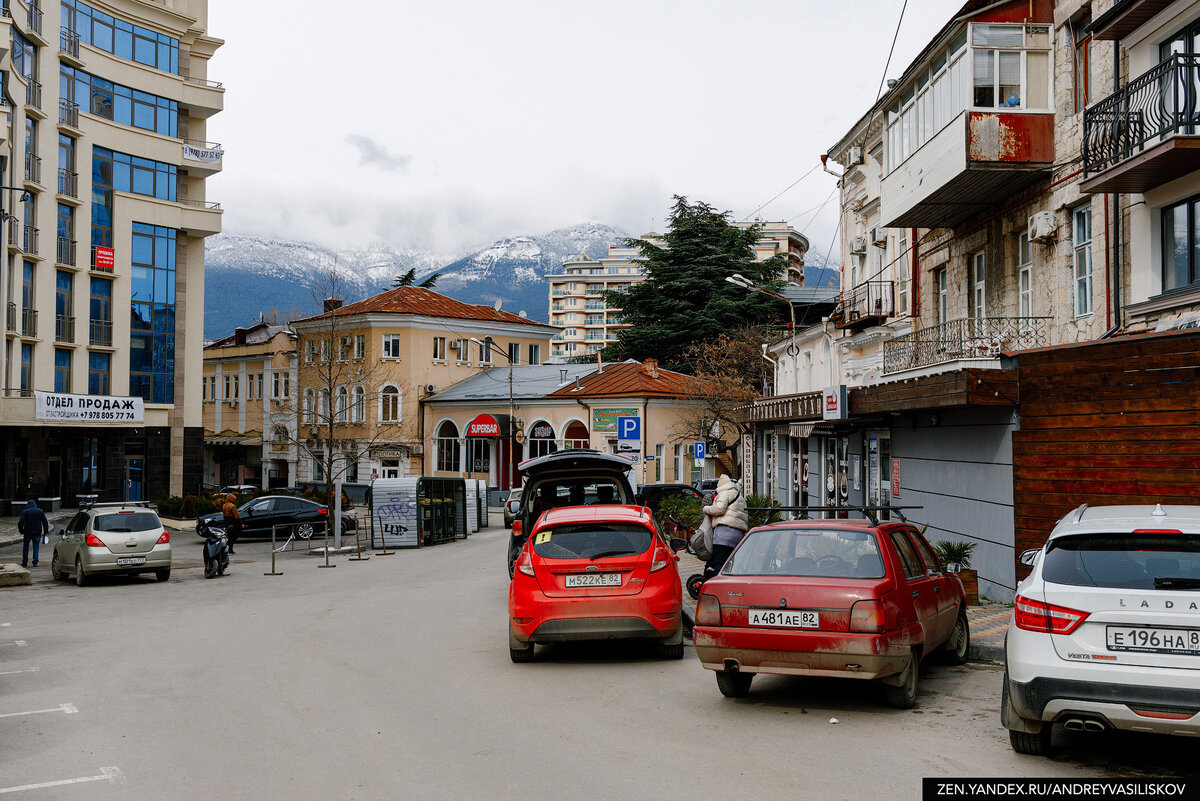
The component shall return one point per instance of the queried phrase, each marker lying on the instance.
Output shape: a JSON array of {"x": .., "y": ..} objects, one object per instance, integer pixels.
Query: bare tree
[{"x": 731, "y": 372}]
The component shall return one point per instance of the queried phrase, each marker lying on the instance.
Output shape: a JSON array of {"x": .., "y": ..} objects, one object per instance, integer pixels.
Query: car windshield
[
  {"x": 807, "y": 552},
  {"x": 126, "y": 521},
  {"x": 591, "y": 541},
  {"x": 1124, "y": 561}
]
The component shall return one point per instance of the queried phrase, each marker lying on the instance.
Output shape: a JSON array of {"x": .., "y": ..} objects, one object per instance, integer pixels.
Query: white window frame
[
  {"x": 439, "y": 350},
  {"x": 1081, "y": 260},
  {"x": 939, "y": 283},
  {"x": 360, "y": 347},
  {"x": 979, "y": 284},
  {"x": 358, "y": 405},
  {"x": 535, "y": 354},
  {"x": 464, "y": 351},
  {"x": 308, "y": 411},
  {"x": 341, "y": 413},
  {"x": 1022, "y": 51},
  {"x": 389, "y": 347},
  {"x": 514, "y": 352},
  {"x": 1024, "y": 279},
  {"x": 485, "y": 352}
]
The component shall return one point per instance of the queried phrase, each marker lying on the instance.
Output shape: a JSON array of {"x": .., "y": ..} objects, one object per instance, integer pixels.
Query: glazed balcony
[
  {"x": 1146, "y": 134},
  {"x": 971, "y": 340},
  {"x": 970, "y": 165},
  {"x": 869, "y": 303}
]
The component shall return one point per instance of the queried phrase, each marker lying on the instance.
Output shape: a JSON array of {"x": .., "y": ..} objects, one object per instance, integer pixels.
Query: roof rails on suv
[{"x": 120, "y": 505}]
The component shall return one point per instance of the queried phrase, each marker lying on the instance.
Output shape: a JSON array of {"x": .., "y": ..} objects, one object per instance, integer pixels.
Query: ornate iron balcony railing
[
  {"x": 868, "y": 300},
  {"x": 968, "y": 338}
]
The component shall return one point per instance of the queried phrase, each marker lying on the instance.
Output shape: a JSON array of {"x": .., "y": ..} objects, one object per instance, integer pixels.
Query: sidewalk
[{"x": 989, "y": 622}]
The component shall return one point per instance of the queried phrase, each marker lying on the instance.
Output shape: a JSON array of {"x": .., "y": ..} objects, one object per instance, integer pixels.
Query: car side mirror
[
  {"x": 678, "y": 543},
  {"x": 62, "y": 532},
  {"x": 1030, "y": 556},
  {"x": 953, "y": 567}
]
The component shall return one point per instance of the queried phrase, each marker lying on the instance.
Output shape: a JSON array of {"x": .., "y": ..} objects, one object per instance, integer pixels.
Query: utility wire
[{"x": 772, "y": 200}]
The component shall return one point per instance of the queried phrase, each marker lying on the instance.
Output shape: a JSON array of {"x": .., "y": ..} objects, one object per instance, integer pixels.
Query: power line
[{"x": 772, "y": 200}]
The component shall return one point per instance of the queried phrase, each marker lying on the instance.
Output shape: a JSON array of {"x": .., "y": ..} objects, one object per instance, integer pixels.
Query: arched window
[
  {"x": 576, "y": 436},
  {"x": 323, "y": 406},
  {"x": 541, "y": 439},
  {"x": 389, "y": 404},
  {"x": 448, "y": 454},
  {"x": 309, "y": 416},
  {"x": 358, "y": 412},
  {"x": 279, "y": 437},
  {"x": 343, "y": 405}
]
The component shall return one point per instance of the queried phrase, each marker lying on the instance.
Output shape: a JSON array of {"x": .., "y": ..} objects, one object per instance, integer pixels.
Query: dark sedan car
[
  {"x": 653, "y": 494},
  {"x": 286, "y": 514}
]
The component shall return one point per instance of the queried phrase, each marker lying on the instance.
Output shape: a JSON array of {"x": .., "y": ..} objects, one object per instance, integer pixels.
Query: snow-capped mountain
[{"x": 247, "y": 276}]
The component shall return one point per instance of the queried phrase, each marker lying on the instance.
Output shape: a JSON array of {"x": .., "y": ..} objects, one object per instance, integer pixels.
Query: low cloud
[{"x": 371, "y": 152}]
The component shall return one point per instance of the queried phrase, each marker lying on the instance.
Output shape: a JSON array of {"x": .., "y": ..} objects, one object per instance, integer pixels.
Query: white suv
[{"x": 1106, "y": 628}]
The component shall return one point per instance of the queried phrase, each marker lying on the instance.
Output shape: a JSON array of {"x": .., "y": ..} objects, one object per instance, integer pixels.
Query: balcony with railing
[
  {"x": 201, "y": 97},
  {"x": 29, "y": 323},
  {"x": 34, "y": 18},
  {"x": 29, "y": 240},
  {"x": 14, "y": 233},
  {"x": 10, "y": 317},
  {"x": 1147, "y": 133},
  {"x": 68, "y": 183},
  {"x": 68, "y": 43},
  {"x": 972, "y": 339},
  {"x": 869, "y": 303},
  {"x": 201, "y": 157},
  {"x": 33, "y": 168},
  {"x": 65, "y": 251},
  {"x": 68, "y": 113},
  {"x": 100, "y": 333},
  {"x": 33, "y": 94},
  {"x": 64, "y": 328}
]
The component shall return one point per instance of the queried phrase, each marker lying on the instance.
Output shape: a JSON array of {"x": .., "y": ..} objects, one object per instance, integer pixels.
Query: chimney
[
  {"x": 599, "y": 363},
  {"x": 333, "y": 303},
  {"x": 239, "y": 336},
  {"x": 577, "y": 387},
  {"x": 650, "y": 367},
  {"x": 562, "y": 376}
]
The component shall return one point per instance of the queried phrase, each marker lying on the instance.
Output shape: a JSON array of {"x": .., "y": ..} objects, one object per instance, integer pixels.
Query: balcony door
[{"x": 1181, "y": 85}]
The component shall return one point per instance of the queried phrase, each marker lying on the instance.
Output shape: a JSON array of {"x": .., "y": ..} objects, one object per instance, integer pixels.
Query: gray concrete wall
[{"x": 960, "y": 470}]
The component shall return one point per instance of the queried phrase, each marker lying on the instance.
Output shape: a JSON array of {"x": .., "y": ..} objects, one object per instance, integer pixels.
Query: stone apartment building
[
  {"x": 364, "y": 367},
  {"x": 104, "y": 159},
  {"x": 249, "y": 409}
]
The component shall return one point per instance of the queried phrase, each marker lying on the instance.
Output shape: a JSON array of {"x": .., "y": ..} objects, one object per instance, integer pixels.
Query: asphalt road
[{"x": 390, "y": 679}]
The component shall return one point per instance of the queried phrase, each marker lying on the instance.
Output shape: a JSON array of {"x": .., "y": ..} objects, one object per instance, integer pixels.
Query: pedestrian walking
[
  {"x": 33, "y": 526},
  {"x": 727, "y": 513},
  {"x": 232, "y": 520}
]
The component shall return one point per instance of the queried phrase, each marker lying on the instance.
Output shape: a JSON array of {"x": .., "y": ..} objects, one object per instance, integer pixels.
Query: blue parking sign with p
[
  {"x": 629, "y": 428},
  {"x": 699, "y": 454}
]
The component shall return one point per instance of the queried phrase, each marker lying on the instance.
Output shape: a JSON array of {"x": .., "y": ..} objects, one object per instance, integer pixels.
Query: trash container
[{"x": 395, "y": 520}]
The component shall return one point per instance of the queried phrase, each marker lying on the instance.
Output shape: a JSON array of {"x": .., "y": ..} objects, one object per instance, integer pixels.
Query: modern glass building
[{"x": 102, "y": 321}]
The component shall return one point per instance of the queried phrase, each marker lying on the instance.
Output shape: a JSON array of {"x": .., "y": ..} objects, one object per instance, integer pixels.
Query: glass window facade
[
  {"x": 152, "y": 317},
  {"x": 62, "y": 370},
  {"x": 122, "y": 39},
  {"x": 113, "y": 171},
  {"x": 24, "y": 57},
  {"x": 1181, "y": 244},
  {"x": 118, "y": 103}
]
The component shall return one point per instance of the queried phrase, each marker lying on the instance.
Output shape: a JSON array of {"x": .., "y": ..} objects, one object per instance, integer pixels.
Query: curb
[{"x": 990, "y": 652}]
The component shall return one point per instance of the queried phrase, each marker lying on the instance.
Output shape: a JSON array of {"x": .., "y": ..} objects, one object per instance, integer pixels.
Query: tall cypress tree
[{"x": 685, "y": 298}]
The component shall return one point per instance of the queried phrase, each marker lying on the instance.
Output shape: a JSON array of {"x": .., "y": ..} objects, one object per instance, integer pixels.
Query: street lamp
[
  {"x": 511, "y": 420},
  {"x": 738, "y": 279}
]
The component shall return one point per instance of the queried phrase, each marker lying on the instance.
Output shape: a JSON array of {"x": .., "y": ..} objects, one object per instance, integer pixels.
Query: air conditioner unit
[
  {"x": 878, "y": 237},
  {"x": 417, "y": 450},
  {"x": 279, "y": 401},
  {"x": 1042, "y": 227},
  {"x": 455, "y": 344},
  {"x": 855, "y": 156},
  {"x": 430, "y": 389},
  {"x": 858, "y": 244},
  {"x": 233, "y": 402}
]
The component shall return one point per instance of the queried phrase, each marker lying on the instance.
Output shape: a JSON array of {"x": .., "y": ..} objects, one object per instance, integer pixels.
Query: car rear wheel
[
  {"x": 80, "y": 579},
  {"x": 163, "y": 575},
  {"x": 1031, "y": 744},
  {"x": 304, "y": 530},
  {"x": 955, "y": 649},
  {"x": 56, "y": 571},
  {"x": 519, "y": 652},
  {"x": 668, "y": 650},
  {"x": 734, "y": 683},
  {"x": 904, "y": 695}
]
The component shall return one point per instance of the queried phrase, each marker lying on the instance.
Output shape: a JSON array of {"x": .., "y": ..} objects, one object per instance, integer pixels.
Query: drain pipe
[{"x": 1116, "y": 306}]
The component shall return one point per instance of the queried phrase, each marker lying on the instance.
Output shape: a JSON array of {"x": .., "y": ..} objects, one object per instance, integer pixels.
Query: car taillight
[
  {"x": 708, "y": 611},
  {"x": 322, "y": 511},
  {"x": 93, "y": 541},
  {"x": 164, "y": 539},
  {"x": 525, "y": 563},
  {"x": 660, "y": 560},
  {"x": 1034, "y": 615},
  {"x": 518, "y": 528},
  {"x": 867, "y": 617}
]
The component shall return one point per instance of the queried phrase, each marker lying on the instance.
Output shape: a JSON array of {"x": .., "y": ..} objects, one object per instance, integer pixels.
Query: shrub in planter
[
  {"x": 761, "y": 518},
  {"x": 955, "y": 552}
]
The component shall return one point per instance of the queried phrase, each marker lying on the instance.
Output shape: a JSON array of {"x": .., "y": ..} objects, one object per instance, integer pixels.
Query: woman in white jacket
[{"x": 727, "y": 515}]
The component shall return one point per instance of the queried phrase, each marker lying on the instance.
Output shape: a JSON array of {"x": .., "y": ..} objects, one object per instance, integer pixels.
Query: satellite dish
[
  {"x": 497, "y": 305},
  {"x": 522, "y": 313}
]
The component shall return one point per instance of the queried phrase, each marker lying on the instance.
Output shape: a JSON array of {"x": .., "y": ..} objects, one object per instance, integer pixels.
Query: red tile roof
[
  {"x": 427, "y": 303},
  {"x": 631, "y": 379}
]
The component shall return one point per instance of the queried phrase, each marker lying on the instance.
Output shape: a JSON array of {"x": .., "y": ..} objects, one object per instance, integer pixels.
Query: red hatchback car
[
  {"x": 844, "y": 598},
  {"x": 595, "y": 573}
]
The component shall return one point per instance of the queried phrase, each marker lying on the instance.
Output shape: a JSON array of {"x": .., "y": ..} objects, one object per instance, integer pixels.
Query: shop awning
[{"x": 245, "y": 440}]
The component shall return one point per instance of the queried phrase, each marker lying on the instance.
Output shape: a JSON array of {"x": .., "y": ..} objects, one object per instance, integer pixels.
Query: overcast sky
[{"x": 447, "y": 125}]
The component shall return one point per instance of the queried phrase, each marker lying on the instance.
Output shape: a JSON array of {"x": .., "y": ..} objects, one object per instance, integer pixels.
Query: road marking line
[
  {"x": 67, "y": 709},
  {"x": 15, "y": 642},
  {"x": 113, "y": 775},
  {"x": 2, "y": 625},
  {"x": 26, "y": 670}
]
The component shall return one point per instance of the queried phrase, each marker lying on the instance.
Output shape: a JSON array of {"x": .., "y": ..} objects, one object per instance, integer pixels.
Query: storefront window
[{"x": 448, "y": 455}]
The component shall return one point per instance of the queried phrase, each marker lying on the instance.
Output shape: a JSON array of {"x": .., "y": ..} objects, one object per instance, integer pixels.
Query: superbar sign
[
  {"x": 483, "y": 426},
  {"x": 61, "y": 407}
]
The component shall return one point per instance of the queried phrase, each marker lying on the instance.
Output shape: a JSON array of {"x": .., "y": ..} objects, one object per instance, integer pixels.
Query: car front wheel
[
  {"x": 955, "y": 649},
  {"x": 56, "y": 571}
]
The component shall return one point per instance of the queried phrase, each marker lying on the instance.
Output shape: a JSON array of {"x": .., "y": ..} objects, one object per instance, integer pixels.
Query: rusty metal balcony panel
[
  {"x": 962, "y": 340},
  {"x": 869, "y": 303},
  {"x": 782, "y": 408}
]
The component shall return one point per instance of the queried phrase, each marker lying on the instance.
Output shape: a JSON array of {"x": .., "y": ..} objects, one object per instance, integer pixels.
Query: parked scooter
[{"x": 216, "y": 549}]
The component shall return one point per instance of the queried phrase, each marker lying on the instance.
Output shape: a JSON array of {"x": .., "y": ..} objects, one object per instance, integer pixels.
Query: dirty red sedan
[
  {"x": 595, "y": 572},
  {"x": 842, "y": 598}
]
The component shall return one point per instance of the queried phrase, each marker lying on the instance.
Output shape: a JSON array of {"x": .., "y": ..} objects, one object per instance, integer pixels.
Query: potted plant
[{"x": 958, "y": 554}]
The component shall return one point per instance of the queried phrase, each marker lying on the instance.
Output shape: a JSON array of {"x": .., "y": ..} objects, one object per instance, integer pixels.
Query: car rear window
[
  {"x": 591, "y": 541},
  {"x": 129, "y": 521},
  {"x": 1124, "y": 561},
  {"x": 553, "y": 494},
  {"x": 807, "y": 552}
]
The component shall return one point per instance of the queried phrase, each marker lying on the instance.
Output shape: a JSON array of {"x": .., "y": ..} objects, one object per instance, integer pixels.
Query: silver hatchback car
[{"x": 112, "y": 539}]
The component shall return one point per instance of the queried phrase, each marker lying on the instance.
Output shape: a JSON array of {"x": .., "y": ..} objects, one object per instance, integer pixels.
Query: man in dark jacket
[{"x": 32, "y": 525}]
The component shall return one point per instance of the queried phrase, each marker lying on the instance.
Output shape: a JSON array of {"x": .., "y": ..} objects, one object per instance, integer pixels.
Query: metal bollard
[
  {"x": 382, "y": 539},
  {"x": 273, "y": 571},
  {"x": 358, "y": 557},
  {"x": 326, "y": 549}
]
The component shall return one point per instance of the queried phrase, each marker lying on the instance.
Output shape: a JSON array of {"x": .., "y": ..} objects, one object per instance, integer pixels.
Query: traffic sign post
[
  {"x": 698, "y": 450},
  {"x": 629, "y": 428}
]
